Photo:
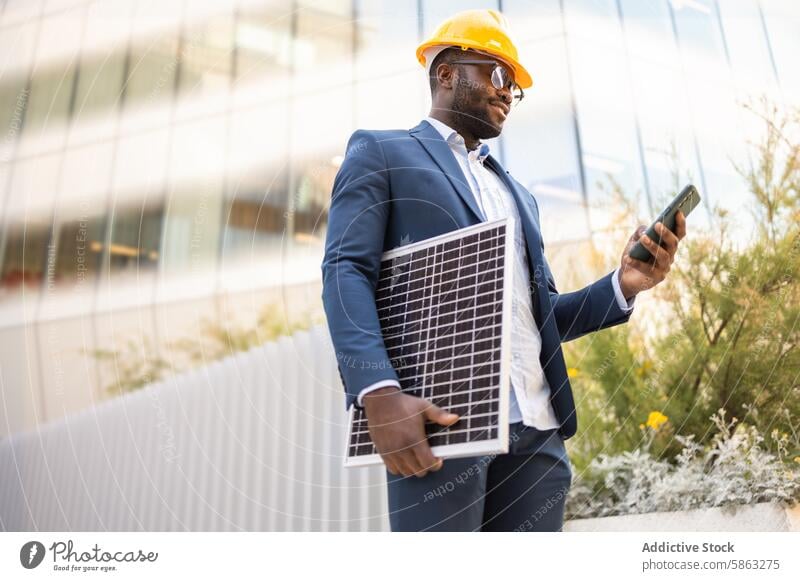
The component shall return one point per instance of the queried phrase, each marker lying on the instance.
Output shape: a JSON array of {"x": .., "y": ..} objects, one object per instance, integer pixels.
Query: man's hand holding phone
[
  {"x": 649, "y": 253},
  {"x": 637, "y": 275}
]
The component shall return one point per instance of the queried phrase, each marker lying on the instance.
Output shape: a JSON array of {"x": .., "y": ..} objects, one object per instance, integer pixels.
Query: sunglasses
[{"x": 501, "y": 77}]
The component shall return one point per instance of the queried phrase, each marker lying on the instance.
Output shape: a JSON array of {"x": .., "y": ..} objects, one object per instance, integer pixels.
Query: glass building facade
[{"x": 167, "y": 161}]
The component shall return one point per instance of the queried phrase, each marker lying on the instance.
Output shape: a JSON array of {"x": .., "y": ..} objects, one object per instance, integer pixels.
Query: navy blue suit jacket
[{"x": 400, "y": 186}]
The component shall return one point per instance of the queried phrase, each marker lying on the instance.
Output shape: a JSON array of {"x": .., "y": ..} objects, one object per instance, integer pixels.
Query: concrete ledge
[{"x": 765, "y": 517}]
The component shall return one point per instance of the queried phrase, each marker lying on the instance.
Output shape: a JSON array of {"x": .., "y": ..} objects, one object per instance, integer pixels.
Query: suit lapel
[{"x": 439, "y": 150}]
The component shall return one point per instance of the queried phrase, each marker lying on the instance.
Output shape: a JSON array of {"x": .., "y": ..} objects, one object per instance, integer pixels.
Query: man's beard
[{"x": 472, "y": 117}]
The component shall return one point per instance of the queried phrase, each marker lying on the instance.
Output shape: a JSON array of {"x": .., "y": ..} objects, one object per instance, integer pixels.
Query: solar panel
[{"x": 444, "y": 306}]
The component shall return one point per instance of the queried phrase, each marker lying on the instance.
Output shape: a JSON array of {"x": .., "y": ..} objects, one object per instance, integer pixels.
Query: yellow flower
[
  {"x": 797, "y": 459},
  {"x": 641, "y": 426},
  {"x": 572, "y": 372},
  {"x": 656, "y": 419},
  {"x": 644, "y": 368}
]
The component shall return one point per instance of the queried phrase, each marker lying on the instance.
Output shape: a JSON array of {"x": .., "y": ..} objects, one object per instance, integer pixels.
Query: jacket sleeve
[
  {"x": 587, "y": 310},
  {"x": 357, "y": 220}
]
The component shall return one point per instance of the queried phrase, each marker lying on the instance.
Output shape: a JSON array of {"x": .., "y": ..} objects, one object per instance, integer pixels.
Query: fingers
[
  {"x": 663, "y": 256},
  {"x": 680, "y": 225},
  {"x": 633, "y": 239},
  {"x": 425, "y": 460},
  {"x": 668, "y": 238},
  {"x": 663, "y": 251},
  {"x": 404, "y": 446},
  {"x": 416, "y": 461},
  {"x": 391, "y": 464},
  {"x": 636, "y": 234},
  {"x": 652, "y": 247},
  {"x": 406, "y": 464},
  {"x": 442, "y": 417}
]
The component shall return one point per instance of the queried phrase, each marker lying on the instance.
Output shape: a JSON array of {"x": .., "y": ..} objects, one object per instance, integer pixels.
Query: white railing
[{"x": 252, "y": 442}]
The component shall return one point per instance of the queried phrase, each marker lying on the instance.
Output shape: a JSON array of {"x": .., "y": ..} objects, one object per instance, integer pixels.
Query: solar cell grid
[{"x": 443, "y": 306}]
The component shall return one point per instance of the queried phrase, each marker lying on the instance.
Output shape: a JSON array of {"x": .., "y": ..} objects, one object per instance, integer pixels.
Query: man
[{"x": 401, "y": 186}]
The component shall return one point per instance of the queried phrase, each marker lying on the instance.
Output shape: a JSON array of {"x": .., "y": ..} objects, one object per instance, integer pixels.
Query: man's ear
[{"x": 444, "y": 75}]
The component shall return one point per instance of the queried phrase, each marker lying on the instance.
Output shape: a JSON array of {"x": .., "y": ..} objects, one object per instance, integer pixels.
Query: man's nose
[{"x": 505, "y": 95}]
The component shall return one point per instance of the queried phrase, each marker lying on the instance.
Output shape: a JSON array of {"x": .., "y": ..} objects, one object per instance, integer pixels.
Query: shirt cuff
[
  {"x": 626, "y": 306},
  {"x": 373, "y": 387}
]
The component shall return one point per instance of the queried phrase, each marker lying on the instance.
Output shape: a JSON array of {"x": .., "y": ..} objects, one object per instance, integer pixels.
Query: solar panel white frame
[{"x": 499, "y": 444}]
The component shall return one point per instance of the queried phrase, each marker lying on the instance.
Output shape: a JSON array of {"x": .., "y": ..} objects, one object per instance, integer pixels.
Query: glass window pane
[
  {"x": 648, "y": 30},
  {"x": 322, "y": 48},
  {"x": 534, "y": 20},
  {"x": 192, "y": 227},
  {"x": 28, "y": 221},
  {"x": 257, "y": 198},
  {"x": 59, "y": 37},
  {"x": 379, "y": 105},
  {"x": 607, "y": 129},
  {"x": 135, "y": 238},
  {"x": 718, "y": 123},
  {"x": 137, "y": 203},
  {"x": 141, "y": 164},
  {"x": 665, "y": 122},
  {"x": 747, "y": 45},
  {"x": 192, "y": 216},
  {"x": 539, "y": 143},
  {"x": 313, "y": 186},
  {"x": 57, "y": 56},
  {"x": 251, "y": 146},
  {"x": 387, "y": 37},
  {"x": 263, "y": 46},
  {"x": 700, "y": 37},
  {"x": 23, "y": 264},
  {"x": 255, "y": 214},
  {"x": 13, "y": 100},
  {"x": 79, "y": 251},
  {"x": 151, "y": 73},
  {"x": 594, "y": 19},
  {"x": 99, "y": 85},
  {"x": 783, "y": 25},
  {"x": 198, "y": 150},
  {"x": 207, "y": 56},
  {"x": 311, "y": 117},
  {"x": 435, "y": 11},
  {"x": 315, "y": 162},
  {"x": 17, "y": 49},
  {"x": 21, "y": 10},
  {"x": 324, "y": 34},
  {"x": 50, "y": 97},
  {"x": 85, "y": 177},
  {"x": 108, "y": 25}
]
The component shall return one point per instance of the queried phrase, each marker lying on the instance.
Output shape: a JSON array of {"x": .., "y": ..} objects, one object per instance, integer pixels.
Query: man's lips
[{"x": 502, "y": 107}]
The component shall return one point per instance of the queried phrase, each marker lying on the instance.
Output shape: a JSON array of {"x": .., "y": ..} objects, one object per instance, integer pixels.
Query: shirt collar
[{"x": 452, "y": 137}]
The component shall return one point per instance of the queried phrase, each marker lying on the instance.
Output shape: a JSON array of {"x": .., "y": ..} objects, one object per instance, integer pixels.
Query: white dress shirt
[{"x": 530, "y": 393}]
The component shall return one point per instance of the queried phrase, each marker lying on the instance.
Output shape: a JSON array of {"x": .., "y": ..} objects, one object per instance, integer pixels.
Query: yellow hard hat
[{"x": 482, "y": 30}]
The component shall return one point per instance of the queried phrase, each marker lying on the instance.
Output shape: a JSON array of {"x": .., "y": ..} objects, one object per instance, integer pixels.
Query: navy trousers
[{"x": 523, "y": 490}]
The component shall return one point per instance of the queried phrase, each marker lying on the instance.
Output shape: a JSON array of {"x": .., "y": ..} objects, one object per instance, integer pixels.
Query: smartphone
[{"x": 685, "y": 202}]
